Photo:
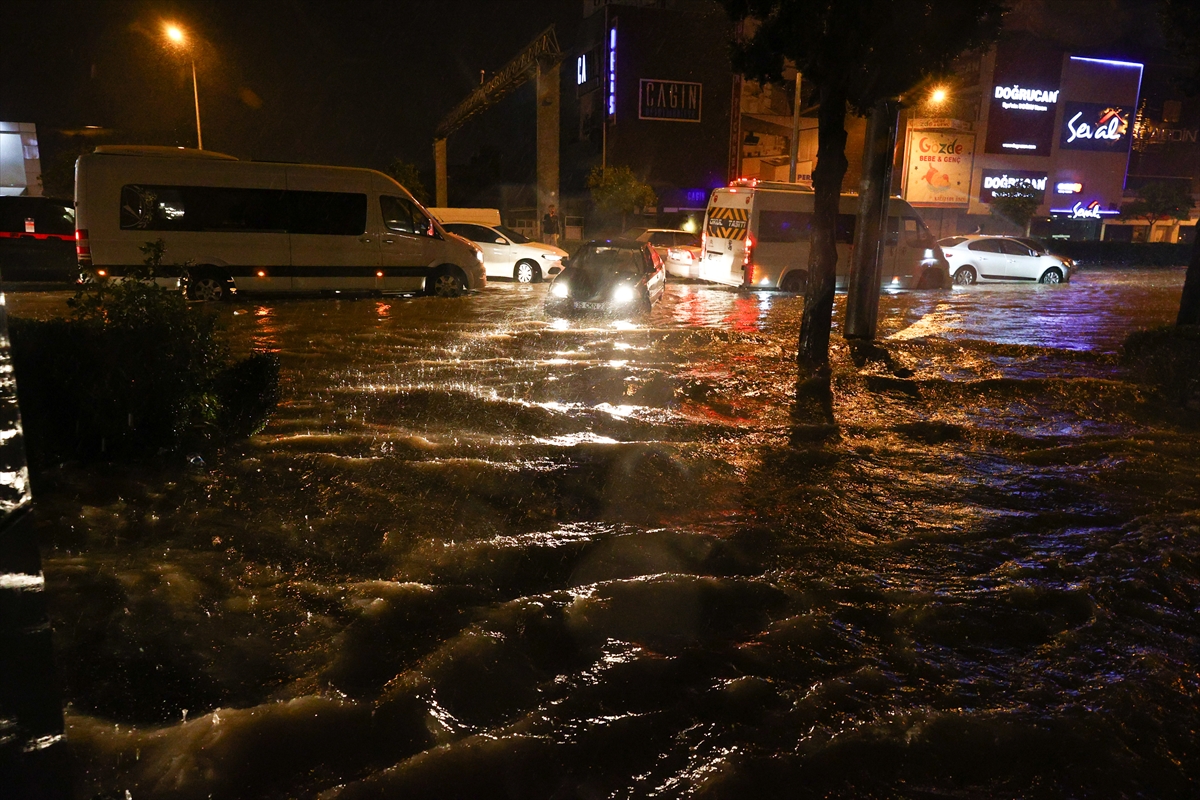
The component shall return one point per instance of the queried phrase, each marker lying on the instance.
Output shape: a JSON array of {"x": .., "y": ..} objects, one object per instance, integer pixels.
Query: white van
[
  {"x": 506, "y": 253},
  {"x": 248, "y": 226},
  {"x": 757, "y": 234}
]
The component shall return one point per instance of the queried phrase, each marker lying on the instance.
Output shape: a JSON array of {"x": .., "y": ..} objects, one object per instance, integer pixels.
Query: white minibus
[
  {"x": 757, "y": 234},
  {"x": 247, "y": 226}
]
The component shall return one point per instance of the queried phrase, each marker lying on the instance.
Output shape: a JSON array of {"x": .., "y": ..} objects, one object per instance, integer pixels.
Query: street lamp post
[{"x": 175, "y": 34}]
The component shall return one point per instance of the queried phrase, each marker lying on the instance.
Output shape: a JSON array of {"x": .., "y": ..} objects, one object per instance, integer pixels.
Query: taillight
[
  {"x": 83, "y": 249},
  {"x": 748, "y": 260}
]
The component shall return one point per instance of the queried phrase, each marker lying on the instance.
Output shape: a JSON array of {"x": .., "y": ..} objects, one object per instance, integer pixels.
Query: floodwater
[{"x": 482, "y": 553}]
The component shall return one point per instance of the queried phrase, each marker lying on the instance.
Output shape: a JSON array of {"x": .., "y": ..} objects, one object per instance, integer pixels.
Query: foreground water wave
[{"x": 479, "y": 552}]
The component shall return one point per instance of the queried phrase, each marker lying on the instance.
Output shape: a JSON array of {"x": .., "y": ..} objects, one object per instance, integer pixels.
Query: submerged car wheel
[
  {"x": 965, "y": 276},
  {"x": 207, "y": 289},
  {"x": 1051, "y": 275},
  {"x": 795, "y": 282},
  {"x": 445, "y": 283},
  {"x": 527, "y": 272}
]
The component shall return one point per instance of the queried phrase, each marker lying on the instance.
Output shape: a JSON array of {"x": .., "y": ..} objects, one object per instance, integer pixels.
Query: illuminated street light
[
  {"x": 938, "y": 96},
  {"x": 175, "y": 34}
]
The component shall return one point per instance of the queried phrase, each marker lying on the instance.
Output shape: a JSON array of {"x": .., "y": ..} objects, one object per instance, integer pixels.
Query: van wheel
[
  {"x": 445, "y": 282},
  {"x": 965, "y": 276},
  {"x": 527, "y": 272},
  {"x": 1051, "y": 276},
  {"x": 207, "y": 289},
  {"x": 795, "y": 282}
]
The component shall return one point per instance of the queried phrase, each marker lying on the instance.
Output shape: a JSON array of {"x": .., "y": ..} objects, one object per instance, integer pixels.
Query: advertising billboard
[
  {"x": 994, "y": 179},
  {"x": 937, "y": 169},
  {"x": 1023, "y": 99},
  {"x": 1096, "y": 126},
  {"x": 677, "y": 101}
]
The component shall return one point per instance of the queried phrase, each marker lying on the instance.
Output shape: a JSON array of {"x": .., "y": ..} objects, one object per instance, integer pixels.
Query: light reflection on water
[{"x": 472, "y": 526}]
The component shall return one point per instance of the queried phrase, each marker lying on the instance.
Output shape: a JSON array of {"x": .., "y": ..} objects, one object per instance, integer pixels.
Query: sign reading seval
[
  {"x": 1095, "y": 126},
  {"x": 675, "y": 101}
]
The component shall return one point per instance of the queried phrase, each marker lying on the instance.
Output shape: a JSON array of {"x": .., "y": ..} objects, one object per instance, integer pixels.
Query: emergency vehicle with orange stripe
[{"x": 757, "y": 234}]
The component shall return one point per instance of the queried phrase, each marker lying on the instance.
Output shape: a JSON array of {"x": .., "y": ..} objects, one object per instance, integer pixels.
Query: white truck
[{"x": 758, "y": 235}]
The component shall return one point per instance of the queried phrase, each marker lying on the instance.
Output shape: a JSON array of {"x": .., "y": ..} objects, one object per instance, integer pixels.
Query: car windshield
[
  {"x": 634, "y": 233},
  {"x": 511, "y": 235},
  {"x": 599, "y": 259}
]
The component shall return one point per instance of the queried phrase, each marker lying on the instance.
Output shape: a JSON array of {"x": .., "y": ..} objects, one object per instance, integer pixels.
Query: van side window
[
  {"x": 401, "y": 215},
  {"x": 234, "y": 210},
  {"x": 327, "y": 213},
  {"x": 784, "y": 226}
]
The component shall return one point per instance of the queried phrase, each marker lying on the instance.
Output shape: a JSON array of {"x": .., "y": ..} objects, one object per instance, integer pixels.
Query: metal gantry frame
[{"x": 537, "y": 60}]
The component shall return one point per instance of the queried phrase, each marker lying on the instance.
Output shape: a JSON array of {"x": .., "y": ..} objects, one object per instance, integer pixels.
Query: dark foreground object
[{"x": 1125, "y": 254}]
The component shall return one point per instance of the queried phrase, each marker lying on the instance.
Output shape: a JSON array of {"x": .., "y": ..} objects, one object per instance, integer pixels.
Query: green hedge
[
  {"x": 1124, "y": 254},
  {"x": 134, "y": 370}
]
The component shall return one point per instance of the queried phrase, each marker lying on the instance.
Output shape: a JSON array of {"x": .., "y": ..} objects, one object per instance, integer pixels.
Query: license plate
[{"x": 581, "y": 304}]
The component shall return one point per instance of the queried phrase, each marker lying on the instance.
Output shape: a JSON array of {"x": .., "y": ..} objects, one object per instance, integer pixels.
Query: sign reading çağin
[{"x": 674, "y": 101}]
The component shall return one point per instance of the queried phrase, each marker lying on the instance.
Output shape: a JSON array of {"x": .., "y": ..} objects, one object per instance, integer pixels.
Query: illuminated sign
[
  {"x": 994, "y": 179},
  {"x": 676, "y": 101},
  {"x": 612, "y": 71},
  {"x": 1025, "y": 99},
  {"x": 1079, "y": 211},
  {"x": 1095, "y": 126},
  {"x": 937, "y": 168},
  {"x": 581, "y": 70},
  {"x": 1068, "y": 188}
]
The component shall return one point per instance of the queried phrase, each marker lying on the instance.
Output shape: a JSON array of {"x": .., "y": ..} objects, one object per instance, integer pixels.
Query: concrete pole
[
  {"x": 439, "y": 170},
  {"x": 547, "y": 140},
  {"x": 795, "y": 146},
  {"x": 870, "y": 235}
]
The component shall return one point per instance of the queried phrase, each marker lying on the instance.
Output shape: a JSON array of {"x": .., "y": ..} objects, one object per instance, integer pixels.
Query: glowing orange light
[
  {"x": 174, "y": 34},
  {"x": 262, "y": 274},
  {"x": 101, "y": 273},
  {"x": 939, "y": 96},
  {"x": 379, "y": 274}
]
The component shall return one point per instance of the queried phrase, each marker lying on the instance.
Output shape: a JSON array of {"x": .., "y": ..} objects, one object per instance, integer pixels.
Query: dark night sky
[{"x": 353, "y": 82}]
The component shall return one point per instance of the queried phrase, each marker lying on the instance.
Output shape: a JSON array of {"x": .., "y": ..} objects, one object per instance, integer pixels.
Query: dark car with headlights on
[
  {"x": 608, "y": 276},
  {"x": 37, "y": 239}
]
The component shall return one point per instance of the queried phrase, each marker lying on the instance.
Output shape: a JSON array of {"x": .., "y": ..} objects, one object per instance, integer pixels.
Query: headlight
[
  {"x": 552, "y": 256},
  {"x": 559, "y": 289},
  {"x": 624, "y": 294},
  {"x": 479, "y": 255}
]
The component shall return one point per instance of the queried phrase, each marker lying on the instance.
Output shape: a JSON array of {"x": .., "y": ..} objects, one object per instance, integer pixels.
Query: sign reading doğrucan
[
  {"x": 674, "y": 101},
  {"x": 994, "y": 179},
  {"x": 937, "y": 171},
  {"x": 1095, "y": 126}
]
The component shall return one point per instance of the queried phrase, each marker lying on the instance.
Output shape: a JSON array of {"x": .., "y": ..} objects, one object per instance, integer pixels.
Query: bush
[
  {"x": 1168, "y": 358},
  {"x": 134, "y": 369}
]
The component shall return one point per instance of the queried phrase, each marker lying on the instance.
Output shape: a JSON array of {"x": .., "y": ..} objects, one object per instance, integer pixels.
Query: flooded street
[{"x": 482, "y": 553}]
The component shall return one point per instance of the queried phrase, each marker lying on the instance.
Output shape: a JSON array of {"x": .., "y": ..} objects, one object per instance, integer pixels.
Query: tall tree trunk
[
  {"x": 1189, "y": 303},
  {"x": 870, "y": 234},
  {"x": 813, "y": 354}
]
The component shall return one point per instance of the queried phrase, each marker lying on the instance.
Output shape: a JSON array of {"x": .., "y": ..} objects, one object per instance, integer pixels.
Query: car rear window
[{"x": 952, "y": 241}]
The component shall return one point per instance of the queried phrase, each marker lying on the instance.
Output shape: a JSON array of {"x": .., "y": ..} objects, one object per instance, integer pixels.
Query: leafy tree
[
  {"x": 1157, "y": 201},
  {"x": 855, "y": 52},
  {"x": 408, "y": 176},
  {"x": 1017, "y": 204},
  {"x": 616, "y": 190}
]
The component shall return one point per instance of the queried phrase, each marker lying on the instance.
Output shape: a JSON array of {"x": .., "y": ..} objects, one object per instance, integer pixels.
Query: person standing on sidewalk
[{"x": 551, "y": 226}]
